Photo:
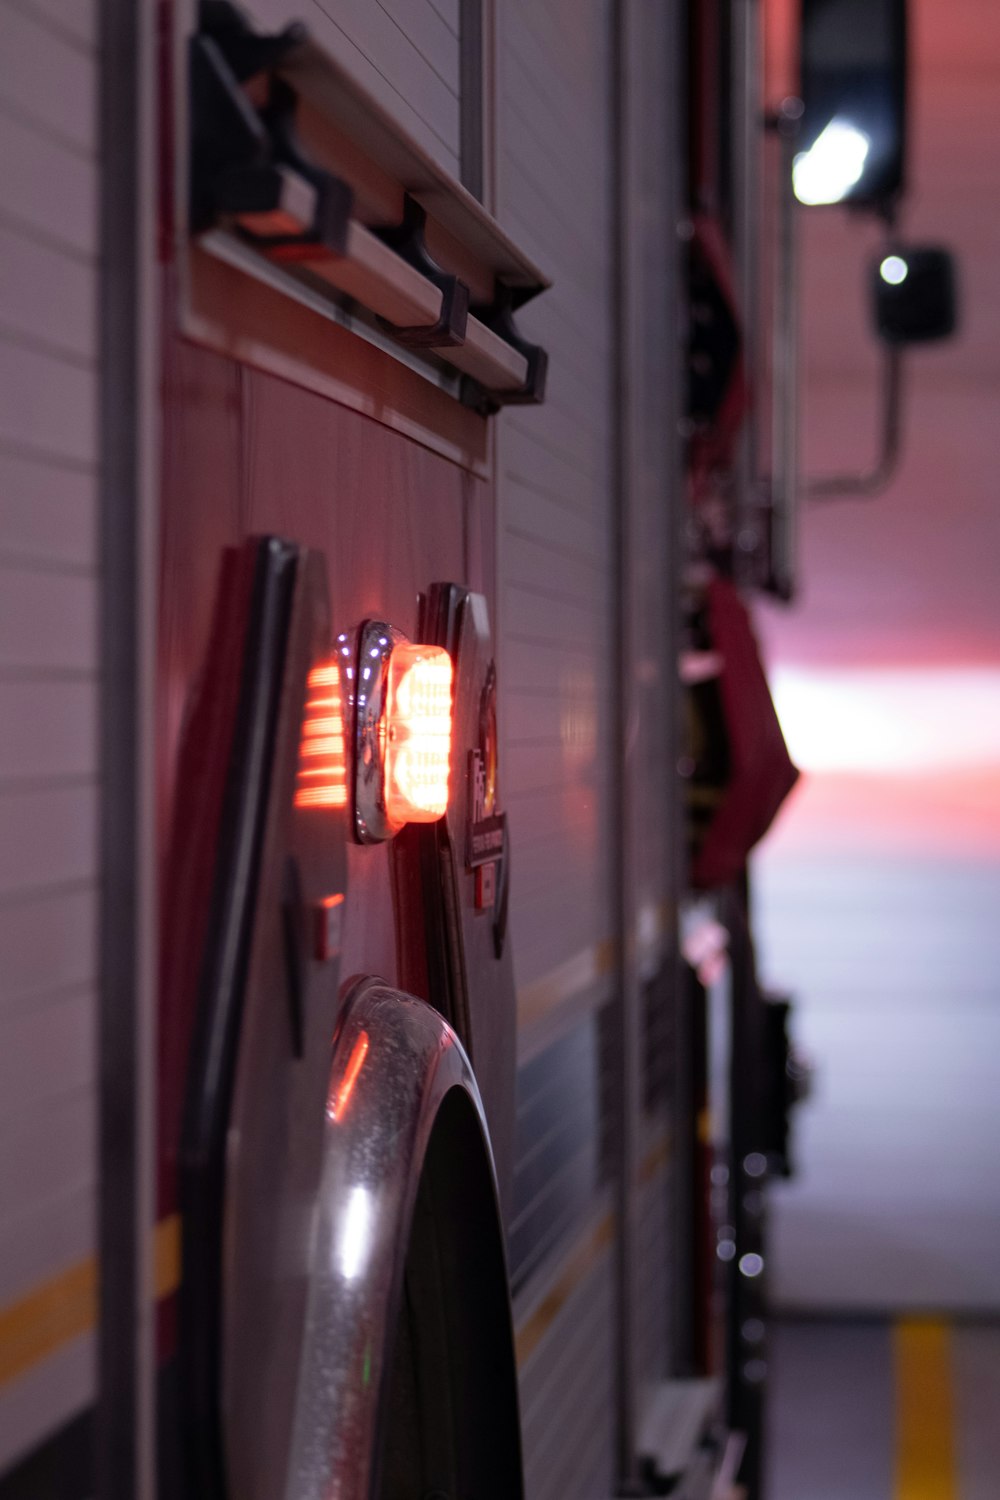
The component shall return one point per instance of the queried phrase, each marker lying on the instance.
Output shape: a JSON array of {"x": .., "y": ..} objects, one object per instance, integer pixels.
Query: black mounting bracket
[
  {"x": 248, "y": 163},
  {"x": 498, "y": 316},
  {"x": 247, "y": 52},
  {"x": 407, "y": 239},
  {"x": 250, "y": 175}
]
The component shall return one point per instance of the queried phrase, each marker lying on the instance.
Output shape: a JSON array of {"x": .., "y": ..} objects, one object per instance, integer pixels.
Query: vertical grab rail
[
  {"x": 784, "y": 486},
  {"x": 745, "y": 151},
  {"x": 873, "y": 481}
]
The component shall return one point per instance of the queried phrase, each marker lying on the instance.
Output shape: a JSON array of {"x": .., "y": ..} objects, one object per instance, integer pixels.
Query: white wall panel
[
  {"x": 448, "y": 11},
  {"x": 29, "y": 50},
  {"x": 46, "y": 1049},
  {"x": 582, "y": 449},
  {"x": 48, "y": 941},
  {"x": 49, "y": 461},
  {"x": 65, "y": 317},
  {"x": 46, "y": 189},
  {"x": 44, "y": 1240},
  {"x": 47, "y": 837},
  {"x": 430, "y": 34},
  {"x": 48, "y": 511},
  {"x": 46, "y": 1154},
  {"x": 47, "y": 729},
  {"x": 401, "y": 51},
  {"x": 48, "y": 620},
  {"x": 47, "y": 403},
  {"x": 72, "y": 21},
  {"x": 558, "y": 485}
]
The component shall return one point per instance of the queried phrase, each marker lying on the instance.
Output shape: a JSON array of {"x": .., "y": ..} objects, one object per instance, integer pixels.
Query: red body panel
[{"x": 244, "y": 454}]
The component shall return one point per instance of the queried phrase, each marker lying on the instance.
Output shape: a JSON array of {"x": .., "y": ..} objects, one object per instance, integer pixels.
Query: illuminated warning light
[
  {"x": 337, "y": 1108},
  {"x": 322, "y": 774},
  {"x": 417, "y": 734}
]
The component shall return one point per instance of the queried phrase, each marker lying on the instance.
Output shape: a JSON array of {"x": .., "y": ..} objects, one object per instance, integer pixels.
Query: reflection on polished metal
[
  {"x": 412, "y": 1148},
  {"x": 367, "y": 687}
]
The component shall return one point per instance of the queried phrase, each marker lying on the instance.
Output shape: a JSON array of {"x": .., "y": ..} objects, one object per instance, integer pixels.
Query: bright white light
[
  {"x": 832, "y": 165},
  {"x": 355, "y": 1232},
  {"x": 894, "y": 270},
  {"x": 877, "y": 720}
]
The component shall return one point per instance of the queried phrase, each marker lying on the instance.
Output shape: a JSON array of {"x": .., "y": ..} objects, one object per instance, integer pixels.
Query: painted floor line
[{"x": 925, "y": 1409}]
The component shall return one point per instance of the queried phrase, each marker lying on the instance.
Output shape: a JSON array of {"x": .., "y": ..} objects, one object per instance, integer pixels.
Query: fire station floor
[{"x": 905, "y": 1409}]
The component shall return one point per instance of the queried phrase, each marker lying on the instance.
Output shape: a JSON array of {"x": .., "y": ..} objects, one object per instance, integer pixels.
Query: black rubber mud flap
[{"x": 219, "y": 1014}]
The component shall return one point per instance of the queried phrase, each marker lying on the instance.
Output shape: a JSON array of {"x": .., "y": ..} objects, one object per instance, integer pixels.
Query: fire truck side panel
[{"x": 249, "y": 454}]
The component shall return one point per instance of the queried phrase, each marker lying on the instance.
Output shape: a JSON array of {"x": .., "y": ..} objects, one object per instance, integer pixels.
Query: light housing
[
  {"x": 853, "y": 73},
  {"x": 400, "y": 701},
  {"x": 914, "y": 294}
]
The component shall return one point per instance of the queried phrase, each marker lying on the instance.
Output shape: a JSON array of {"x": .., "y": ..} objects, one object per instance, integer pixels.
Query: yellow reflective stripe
[
  {"x": 53, "y": 1313},
  {"x": 584, "y": 1257},
  {"x": 64, "y": 1307},
  {"x": 925, "y": 1441},
  {"x": 565, "y": 981},
  {"x": 166, "y": 1257}
]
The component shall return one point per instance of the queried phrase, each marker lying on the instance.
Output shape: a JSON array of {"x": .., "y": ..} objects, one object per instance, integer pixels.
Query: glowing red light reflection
[
  {"x": 322, "y": 776},
  {"x": 355, "y": 1063}
]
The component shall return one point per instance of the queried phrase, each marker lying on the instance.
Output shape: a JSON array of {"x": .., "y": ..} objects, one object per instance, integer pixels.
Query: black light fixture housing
[
  {"x": 914, "y": 298},
  {"x": 853, "y": 84}
]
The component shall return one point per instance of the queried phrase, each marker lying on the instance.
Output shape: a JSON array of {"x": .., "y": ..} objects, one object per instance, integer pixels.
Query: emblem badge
[{"x": 486, "y": 833}]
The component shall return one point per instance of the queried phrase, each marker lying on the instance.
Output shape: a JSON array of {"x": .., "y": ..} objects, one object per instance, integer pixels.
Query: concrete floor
[{"x": 856, "y": 1414}]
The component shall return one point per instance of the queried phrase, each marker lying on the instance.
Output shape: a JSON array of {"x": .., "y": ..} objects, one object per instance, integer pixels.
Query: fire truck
[{"x": 384, "y": 385}]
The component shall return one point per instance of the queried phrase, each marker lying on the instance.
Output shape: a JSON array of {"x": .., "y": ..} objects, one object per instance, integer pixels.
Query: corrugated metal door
[
  {"x": 565, "y": 475},
  {"x": 49, "y": 703}
]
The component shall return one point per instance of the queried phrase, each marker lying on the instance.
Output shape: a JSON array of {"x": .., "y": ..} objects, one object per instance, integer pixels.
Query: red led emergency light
[
  {"x": 400, "y": 737},
  {"x": 417, "y": 734}
]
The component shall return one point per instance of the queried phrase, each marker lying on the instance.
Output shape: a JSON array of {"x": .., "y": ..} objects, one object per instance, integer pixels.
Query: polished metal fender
[{"x": 407, "y": 1379}]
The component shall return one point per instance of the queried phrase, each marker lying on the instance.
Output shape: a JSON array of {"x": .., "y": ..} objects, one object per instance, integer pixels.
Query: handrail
[
  {"x": 784, "y": 487},
  {"x": 414, "y": 258},
  {"x": 326, "y": 84},
  {"x": 872, "y": 481}
]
